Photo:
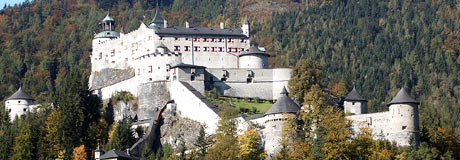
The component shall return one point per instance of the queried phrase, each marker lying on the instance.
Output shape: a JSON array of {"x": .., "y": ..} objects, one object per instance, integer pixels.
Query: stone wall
[
  {"x": 262, "y": 83},
  {"x": 192, "y": 104},
  {"x": 151, "y": 95},
  {"x": 378, "y": 122},
  {"x": 108, "y": 77}
]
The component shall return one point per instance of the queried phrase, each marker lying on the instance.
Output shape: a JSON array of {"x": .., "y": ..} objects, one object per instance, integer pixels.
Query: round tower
[
  {"x": 18, "y": 104},
  {"x": 404, "y": 121},
  {"x": 108, "y": 33},
  {"x": 284, "y": 109},
  {"x": 253, "y": 58},
  {"x": 354, "y": 103}
]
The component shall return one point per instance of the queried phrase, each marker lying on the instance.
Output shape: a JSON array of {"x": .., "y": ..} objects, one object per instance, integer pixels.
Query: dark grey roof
[
  {"x": 402, "y": 98},
  {"x": 253, "y": 50},
  {"x": 116, "y": 154},
  {"x": 283, "y": 104},
  {"x": 158, "y": 19},
  {"x": 177, "y": 30},
  {"x": 161, "y": 45},
  {"x": 253, "y": 117},
  {"x": 354, "y": 96},
  {"x": 187, "y": 65},
  {"x": 20, "y": 94},
  {"x": 108, "y": 18},
  {"x": 107, "y": 34}
]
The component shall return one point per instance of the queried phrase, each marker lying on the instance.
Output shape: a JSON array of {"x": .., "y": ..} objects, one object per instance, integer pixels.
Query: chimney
[
  {"x": 187, "y": 25},
  {"x": 221, "y": 25},
  {"x": 165, "y": 24}
]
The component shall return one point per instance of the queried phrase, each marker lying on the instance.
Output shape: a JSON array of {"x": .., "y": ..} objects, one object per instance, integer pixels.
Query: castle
[{"x": 158, "y": 62}]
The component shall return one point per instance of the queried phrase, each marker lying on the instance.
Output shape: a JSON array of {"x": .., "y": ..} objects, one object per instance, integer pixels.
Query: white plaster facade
[{"x": 18, "y": 107}]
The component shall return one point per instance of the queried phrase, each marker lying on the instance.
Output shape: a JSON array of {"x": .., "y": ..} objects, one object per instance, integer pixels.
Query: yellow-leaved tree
[{"x": 249, "y": 145}]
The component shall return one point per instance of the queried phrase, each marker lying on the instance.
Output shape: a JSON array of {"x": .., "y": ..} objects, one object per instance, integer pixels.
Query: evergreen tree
[
  {"x": 202, "y": 142},
  {"x": 122, "y": 137}
]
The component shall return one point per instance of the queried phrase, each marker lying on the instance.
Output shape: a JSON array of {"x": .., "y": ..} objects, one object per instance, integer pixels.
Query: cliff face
[{"x": 176, "y": 128}]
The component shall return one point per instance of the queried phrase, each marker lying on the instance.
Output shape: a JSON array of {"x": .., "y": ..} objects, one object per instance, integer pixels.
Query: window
[
  {"x": 9, "y": 110},
  {"x": 205, "y": 40},
  {"x": 192, "y": 77},
  {"x": 242, "y": 40},
  {"x": 205, "y": 49},
  {"x": 19, "y": 101},
  {"x": 196, "y": 39},
  {"x": 112, "y": 53},
  {"x": 186, "y": 48},
  {"x": 213, "y": 49},
  {"x": 220, "y": 39},
  {"x": 100, "y": 55},
  {"x": 176, "y": 48},
  {"x": 221, "y": 49},
  {"x": 161, "y": 38},
  {"x": 25, "y": 109},
  {"x": 196, "y": 48},
  {"x": 212, "y": 39},
  {"x": 403, "y": 127},
  {"x": 249, "y": 80},
  {"x": 229, "y": 49},
  {"x": 176, "y": 38},
  {"x": 186, "y": 39},
  {"x": 150, "y": 69}
]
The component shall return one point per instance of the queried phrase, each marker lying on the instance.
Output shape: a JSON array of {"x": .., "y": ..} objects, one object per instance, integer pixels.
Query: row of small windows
[
  {"x": 217, "y": 40},
  {"x": 274, "y": 120},
  {"x": 208, "y": 49}
]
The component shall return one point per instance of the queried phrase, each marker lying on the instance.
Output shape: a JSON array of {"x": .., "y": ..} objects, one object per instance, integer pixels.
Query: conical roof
[
  {"x": 108, "y": 18},
  {"x": 354, "y": 96},
  {"x": 402, "y": 98},
  {"x": 284, "y": 104},
  {"x": 20, "y": 94},
  {"x": 158, "y": 19},
  {"x": 253, "y": 50}
]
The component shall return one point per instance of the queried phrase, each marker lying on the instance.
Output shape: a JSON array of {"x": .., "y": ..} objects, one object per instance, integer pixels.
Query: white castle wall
[
  {"x": 273, "y": 132},
  {"x": 191, "y": 106},
  {"x": 404, "y": 123},
  {"x": 208, "y": 51},
  {"x": 18, "y": 107},
  {"x": 155, "y": 66},
  {"x": 262, "y": 83},
  {"x": 355, "y": 107},
  {"x": 378, "y": 122},
  {"x": 253, "y": 61},
  {"x": 126, "y": 85}
]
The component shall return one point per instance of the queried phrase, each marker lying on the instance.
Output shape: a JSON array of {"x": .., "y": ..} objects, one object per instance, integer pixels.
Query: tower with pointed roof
[
  {"x": 283, "y": 109},
  {"x": 18, "y": 104},
  {"x": 108, "y": 27},
  {"x": 158, "y": 20},
  {"x": 404, "y": 120},
  {"x": 246, "y": 26},
  {"x": 354, "y": 103},
  {"x": 253, "y": 58}
]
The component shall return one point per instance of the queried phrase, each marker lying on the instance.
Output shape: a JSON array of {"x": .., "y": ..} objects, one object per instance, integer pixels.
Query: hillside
[{"x": 377, "y": 46}]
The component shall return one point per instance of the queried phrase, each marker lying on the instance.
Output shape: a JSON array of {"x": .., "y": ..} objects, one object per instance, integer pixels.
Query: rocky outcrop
[{"x": 176, "y": 128}]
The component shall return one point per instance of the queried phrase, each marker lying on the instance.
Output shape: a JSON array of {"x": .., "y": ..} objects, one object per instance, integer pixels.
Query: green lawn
[{"x": 249, "y": 107}]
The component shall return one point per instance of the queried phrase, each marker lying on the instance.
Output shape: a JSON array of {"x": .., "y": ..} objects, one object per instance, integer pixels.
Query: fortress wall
[
  {"x": 378, "y": 122},
  {"x": 151, "y": 95},
  {"x": 210, "y": 54},
  {"x": 185, "y": 74},
  {"x": 126, "y": 85},
  {"x": 155, "y": 67},
  {"x": 281, "y": 78},
  {"x": 273, "y": 132},
  {"x": 237, "y": 84},
  {"x": 193, "y": 105}
]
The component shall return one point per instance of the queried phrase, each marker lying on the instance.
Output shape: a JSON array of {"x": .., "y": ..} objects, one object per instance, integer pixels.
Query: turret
[
  {"x": 246, "y": 26},
  {"x": 158, "y": 20},
  {"x": 354, "y": 103},
  {"x": 108, "y": 27},
  {"x": 283, "y": 109},
  {"x": 253, "y": 58},
  {"x": 18, "y": 104},
  {"x": 403, "y": 119},
  {"x": 98, "y": 152}
]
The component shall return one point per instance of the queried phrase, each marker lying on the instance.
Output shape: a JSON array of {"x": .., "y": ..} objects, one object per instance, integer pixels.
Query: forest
[{"x": 376, "y": 46}]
